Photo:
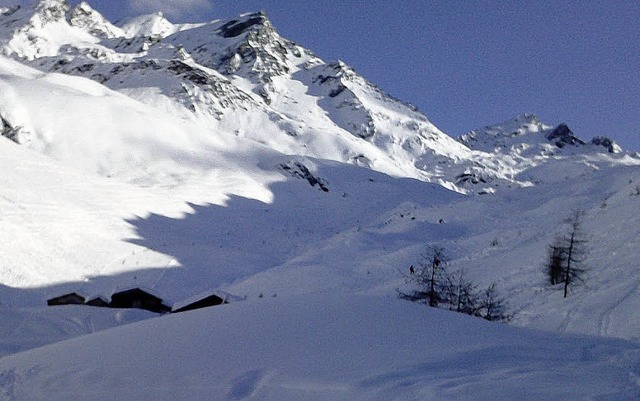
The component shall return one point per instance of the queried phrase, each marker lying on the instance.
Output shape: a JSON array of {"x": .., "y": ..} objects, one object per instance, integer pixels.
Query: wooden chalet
[
  {"x": 67, "y": 299},
  {"x": 97, "y": 301},
  {"x": 139, "y": 299},
  {"x": 202, "y": 301}
]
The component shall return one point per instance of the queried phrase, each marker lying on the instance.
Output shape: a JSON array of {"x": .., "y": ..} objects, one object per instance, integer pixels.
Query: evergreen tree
[
  {"x": 575, "y": 243},
  {"x": 567, "y": 255}
]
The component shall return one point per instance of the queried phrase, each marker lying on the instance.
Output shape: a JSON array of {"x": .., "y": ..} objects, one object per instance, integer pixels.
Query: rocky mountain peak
[
  {"x": 261, "y": 47},
  {"x": 252, "y": 49},
  {"x": 562, "y": 136},
  {"x": 85, "y": 17},
  {"x": 52, "y": 10},
  {"x": 246, "y": 23},
  {"x": 150, "y": 25},
  {"x": 608, "y": 143},
  {"x": 522, "y": 128}
]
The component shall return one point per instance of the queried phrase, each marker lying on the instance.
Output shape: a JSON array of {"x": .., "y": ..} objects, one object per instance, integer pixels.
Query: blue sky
[{"x": 465, "y": 64}]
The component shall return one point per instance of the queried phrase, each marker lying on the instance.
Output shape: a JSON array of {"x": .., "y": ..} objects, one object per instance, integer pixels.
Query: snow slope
[{"x": 318, "y": 348}]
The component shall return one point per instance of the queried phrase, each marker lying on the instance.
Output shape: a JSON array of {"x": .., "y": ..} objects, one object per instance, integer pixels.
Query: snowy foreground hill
[
  {"x": 222, "y": 158},
  {"x": 319, "y": 348}
]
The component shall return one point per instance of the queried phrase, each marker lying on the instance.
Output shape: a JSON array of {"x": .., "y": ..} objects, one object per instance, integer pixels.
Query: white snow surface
[
  {"x": 319, "y": 348},
  {"x": 303, "y": 192}
]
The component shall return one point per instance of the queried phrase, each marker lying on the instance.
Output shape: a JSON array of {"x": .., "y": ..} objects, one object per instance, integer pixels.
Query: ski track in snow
[{"x": 605, "y": 317}]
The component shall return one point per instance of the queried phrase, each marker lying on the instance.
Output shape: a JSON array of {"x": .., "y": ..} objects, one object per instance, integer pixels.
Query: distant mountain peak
[
  {"x": 52, "y": 10},
  {"x": 562, "y": 136},
  {"x": 40, "y": 30},
  {"x": 245, "y": 23},
  {"x": 504, "y": 134},
  {"x": 149, "y": 25},
  {"x": 85, "y": 17},
  {"x": 527, "y": 118},
  {"x": 526, "y": 131}
]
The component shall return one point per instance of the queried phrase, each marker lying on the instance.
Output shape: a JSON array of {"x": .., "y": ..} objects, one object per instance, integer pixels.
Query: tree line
[{"x": 436, "y": 287}]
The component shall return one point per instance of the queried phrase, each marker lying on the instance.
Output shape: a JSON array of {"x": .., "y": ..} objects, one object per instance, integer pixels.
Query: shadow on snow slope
[{"x": 305, "y": 240}]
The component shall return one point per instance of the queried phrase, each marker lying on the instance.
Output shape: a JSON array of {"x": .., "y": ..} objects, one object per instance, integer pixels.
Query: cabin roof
[
  {"x": 71, "y": 294},
  {"x": 198, "y": 297},
  {"x": 135, "y": 291}
]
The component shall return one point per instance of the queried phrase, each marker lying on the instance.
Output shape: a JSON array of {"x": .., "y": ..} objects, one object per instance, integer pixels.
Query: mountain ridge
[{"x": 218, "y": 68}]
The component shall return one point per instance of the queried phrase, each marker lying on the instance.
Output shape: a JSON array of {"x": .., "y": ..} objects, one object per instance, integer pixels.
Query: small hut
[
  {"x": 97, "y": 301},
  {"x": 67, "y": 299},
  {"x": 140, "y": 299},
  {"x": 201, "y": 301}
]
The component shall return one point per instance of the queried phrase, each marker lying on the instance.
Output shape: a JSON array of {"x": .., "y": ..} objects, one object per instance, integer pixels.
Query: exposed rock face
[
  {"x": 88, "y": 19},
  {"x": 351, "y": 114},
  {"x": 609, "y": 144},
  {"x": 299, "y": 170},
  {"x": 52, "y": 10},
  {"x": 8, "y": 131},
  {"x": 562, "y": 136},
  {"x": 235, "y": 28}
]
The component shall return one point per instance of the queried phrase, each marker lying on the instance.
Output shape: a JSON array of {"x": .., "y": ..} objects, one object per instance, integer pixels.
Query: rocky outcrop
[
  {"x": 52, "y": 10},
  {"x": 607, "y": 143},
  {"x": 9, "y": 131},
  {"x": 89, "y": 20},
  {"x": 298, "y": 170},
  {"x": 562, "y": 136}
]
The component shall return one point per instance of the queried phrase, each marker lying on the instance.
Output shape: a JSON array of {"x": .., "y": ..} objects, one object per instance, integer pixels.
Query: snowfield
[
  {"x": 319, "y": 348},
  {"x": 223, "y": 158}
]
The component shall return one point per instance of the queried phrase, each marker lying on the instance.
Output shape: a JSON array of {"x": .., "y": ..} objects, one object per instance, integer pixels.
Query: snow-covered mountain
[
  {"x": 221, "y": 157},
  {"x": 242, "y": 78}
]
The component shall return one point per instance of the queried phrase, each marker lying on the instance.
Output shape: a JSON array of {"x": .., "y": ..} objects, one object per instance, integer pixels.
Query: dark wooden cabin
[
  {"x": 140, "y": 299},
  {"x": 97, "y": 301},
  {"x": 67, "y": 299},
  {"x": 211, "y": 300}
]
